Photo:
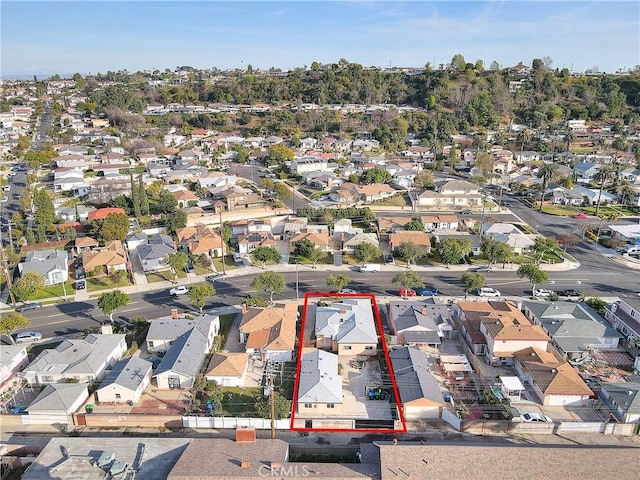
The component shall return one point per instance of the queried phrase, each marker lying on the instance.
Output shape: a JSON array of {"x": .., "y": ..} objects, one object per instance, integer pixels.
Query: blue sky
[{"x": 90, "y": 37}]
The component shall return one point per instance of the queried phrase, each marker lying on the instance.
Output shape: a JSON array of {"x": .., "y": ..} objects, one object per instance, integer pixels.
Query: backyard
[{"x": 239, "y": 401}]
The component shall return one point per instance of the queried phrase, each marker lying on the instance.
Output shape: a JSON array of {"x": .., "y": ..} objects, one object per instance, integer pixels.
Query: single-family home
[
  {"x": 496, "y": 330},
  {"x": 101, "y": 213},
  {"x": 391, "y": 224},
  {"x": 319, "y": 384},
  {"x": 56, "y": 404},
  {"x": 66, "y": 179},
  {"x": 185, "y": 344},
  {"x": 622, "y": 400},
  {"x": 347, "y": 327},
  {"x": 420, "y": 394},
  {"x": 554, "y": 381},
  {"x": 185, "y": 197},
  {"x": 347, "y": 242},
  {"x": 624, "y": 316},
  {"x": 249, "y": 242},
  {"x": 84, "y": 360},
  {"x": 155, "y": 251},
  {"x": 227, "y": 369},
  {"x": 13, "y": 359},
  {"x": 51, "y": 264},
  {"x": 320, "y": 239},
  {"x": 575, "y": 328},
  {"x": 440, "y": 222},
  {"x": 307, "y": 164},
  {"x": 106, "y": 259},
  {"x": 84, "y": 244},
  {"x": 420, "y": 323},
  {"x": 403, "y": 236},
  {"x": 585, "y": 171},
  {"x": 508, "y": 233},
  {"x": 269, "y": 332},
  {"x": 440, "y": 235},
  {"x": 126, "y": 381}
]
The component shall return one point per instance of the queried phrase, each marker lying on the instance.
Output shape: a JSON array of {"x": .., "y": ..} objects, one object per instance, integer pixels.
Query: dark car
[
  {"x": 80, "y": 273},
  {"x": 389, "y": 259},
  {"x": 189, "y": 268},
  {"x": 81, "y": 284},
  {"x": 570, "y": 293},
  {"x": 29, "y": 306},
  {"x": 427, "y": 291}
]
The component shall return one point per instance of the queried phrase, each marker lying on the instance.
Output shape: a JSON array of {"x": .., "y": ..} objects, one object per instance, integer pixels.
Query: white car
[
  {"x": 347, "y": 290},
  {"x": 178, "y": 290},
  {"x": 534, "y": 417},
  {"x": 27, "y": 337},
  {"x": 542, "y": 293},
  {"x": 488, "y": 292}
]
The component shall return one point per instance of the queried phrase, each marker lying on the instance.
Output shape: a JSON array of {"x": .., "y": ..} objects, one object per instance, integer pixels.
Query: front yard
[
  {"x": 102, "y": 283},
  {"x": 53, "y": 291},
  {"x": 398, "y": 200},
  {"x": 560, "y": 210}
]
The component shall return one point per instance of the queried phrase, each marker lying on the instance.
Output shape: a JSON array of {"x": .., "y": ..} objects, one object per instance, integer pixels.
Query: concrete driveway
[{"x": 355, "y": 402}]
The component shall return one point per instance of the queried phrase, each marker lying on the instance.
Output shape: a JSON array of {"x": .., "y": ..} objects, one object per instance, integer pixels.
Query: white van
[
  {"x": 370, "y": 267},
  {"x": 634, "y": 250}
]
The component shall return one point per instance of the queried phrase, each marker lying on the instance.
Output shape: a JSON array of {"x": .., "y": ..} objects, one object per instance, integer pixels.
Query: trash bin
[{"x": 88, "y": 408}]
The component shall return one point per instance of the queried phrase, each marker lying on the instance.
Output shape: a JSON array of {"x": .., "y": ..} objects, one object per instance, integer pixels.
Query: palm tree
[
  {"x": 604, "y": 174},
  {"x": 546, "y": 172}
]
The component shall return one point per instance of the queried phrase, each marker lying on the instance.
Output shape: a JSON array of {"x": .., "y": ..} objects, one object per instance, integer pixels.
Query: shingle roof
[
  {"x": 348, "y": 321},
  {"x": 227, "y": 365},
  {"x": 319, "y": 381},
  {"x": 625, "y": 394},
  {"x": 413, "y": 376},
  {"x": 128, "y": 373},
  {"x": 59, "y": 396}
]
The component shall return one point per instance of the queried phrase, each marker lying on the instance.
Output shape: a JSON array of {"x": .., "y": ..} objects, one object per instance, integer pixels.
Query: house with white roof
[
  {"x": 319, "y": 384},
  {"x": 347, "y": 327},
  {"x": 509, "y": 234},
  {"x": 126, "y": 381},
  {"x": 51, "y": 264}
]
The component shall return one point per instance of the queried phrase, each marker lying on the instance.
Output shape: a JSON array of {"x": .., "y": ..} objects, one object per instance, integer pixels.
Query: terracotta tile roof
[
  {"x": 227, "y": 365},
  {"x": 86, "y": 242},
  {"x": 205, "y": 243},
  {"x": 419, "y": 238},
  {"x": 102, "y": 213},
  {"x": 185, "y": 195},
  {"x": 315, "y": 238},
  {"x": 273, "y": 328}
]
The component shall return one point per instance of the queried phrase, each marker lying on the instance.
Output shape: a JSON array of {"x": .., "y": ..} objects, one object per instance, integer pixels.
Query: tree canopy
[
  {"x": 198, "y": 294},
  {"x": 266, "y": 254},
  {"x": 11, "y": 322},
  {"x": 268, "y": 282},
  {"x": 111, "y": 301}
]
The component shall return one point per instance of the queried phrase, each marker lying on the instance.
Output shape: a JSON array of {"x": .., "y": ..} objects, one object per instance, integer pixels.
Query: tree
[
  {"x": 597, "y": 304},
  {"x": 533, "y": 274},
  {"x": 458, "y": 62},
  {"x": 176, "y": 261},
  {"x": 279, "y": 154},
  {"x": 135, "y": 196},
  {"x": 410, "y": 252},
  {"x": 44, "y": 211},
  {"x": 424, "y": 179},
  {"x": 365, "y": 252},
  {"x": 375, "y": 175},
  {"x": 543, "y": 245},
  {"x": 176, "y": 220},
  {"x": 144, "y": 199},
  {"x": 546, "y": 172},
  {"x": 472, "y": 281},
  {"x": 338, "y": 282},
  {"x": 452, "y": 250},
  {"x": 109, "y": 302},
  {"x": 315, "y": 256},
  {"x": 12, "y": 321},
  {"x": 115, "y": 226},
  {"x": 267, "y": 184},
  {"x": 281, "y": 191},
  {"x": 566, "y": 240},
  {"x": 282, "y": 406},
  {"x": 495, "y": 251},
  {"x": 266, "y": 254},
  {"x": 268, "y": 282},
  {"x": 415, "y": 225},
  {"x": 116, "y": 276},
  {"x": 27, "y": 285},
  {"x": 198, "y": 294},
  {"x": 604, "y": 174},
  {"x": 408, "y": 279},
  {"x": 166, "y": 202}
]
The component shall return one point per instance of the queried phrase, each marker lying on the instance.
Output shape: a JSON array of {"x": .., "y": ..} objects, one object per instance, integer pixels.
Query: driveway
[
  {"x": 356, "y": 403},
  {"x": 139, "y": 277}
]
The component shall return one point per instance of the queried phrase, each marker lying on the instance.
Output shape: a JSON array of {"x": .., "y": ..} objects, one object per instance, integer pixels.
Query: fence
[
  {"x": 128, "y": 420},
  {"x": 193, "y": 421},
  {"x": 451, "y": 418}
]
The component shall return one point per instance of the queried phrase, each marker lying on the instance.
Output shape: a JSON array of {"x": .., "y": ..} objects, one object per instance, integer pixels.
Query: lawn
[
  {"x": 101, "y": 283},
  {"x": 399, "y": 200},
  {"x": 238, "y": 401},
  {"x": 607, "y": 211},
  {"x": 526, "y": 229},
  {"x": 161, "y": 276},
  {"x": 229, "y": 264},
  {"x": 54, "y": 291},
  {"x": 327, "y": 260},
  {"x": 560, "y": 210}
]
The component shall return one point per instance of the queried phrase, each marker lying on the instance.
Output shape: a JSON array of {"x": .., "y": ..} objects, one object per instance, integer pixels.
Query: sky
[{"x": 90, "y": 36}]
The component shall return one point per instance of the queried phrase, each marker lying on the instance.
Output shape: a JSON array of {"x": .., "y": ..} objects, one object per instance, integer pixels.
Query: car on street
[
  {"x": 480, "y": 268},
  {"x": 466, "y": 212},
  {"x": 216, "y": 276},
  {"x": 581, "y": 215},
  {"x": 542, "y": 293},
  {"x": 534, "y": 417},
  {"x": 347, "y": 290},
  {"x": 487, "y": 292},
  {"x": 427, "y": 291},
  {"x": 27, "y": 337},
  {"x": 81, "y": 285},
  {"x": 570, "y": 293},
  {"x": 178, "y": 290},
  {"x": 25, "y": 307},
  {"x": 407, "y": 292}
]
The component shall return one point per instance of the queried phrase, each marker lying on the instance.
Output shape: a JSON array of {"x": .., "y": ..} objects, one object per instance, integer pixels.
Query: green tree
[
  {"x": 267, "y": 184},
  {"x": 281, "y": 191},
  {"x": 365, "y": 252},
  {"x": 115, "y": 226},
  {"x": 597, "y": 304},
  {"x": 144, "y": 199},
  {"x": 279, "y": 154},
  {"x": 546, "y": 172},
  {"x": 424, "y": 179},
  {"x": 198, "y": 294},
  {"x": 452, "y": 250},
  {"x": 282, "y": 406},
  {"x": 268, "y": 282},
  {"x": 495, "y": 251},
  {"x": 304, "y": 247},
  {"x": 111, "y": 301},
  {"x": 27, "y": 285},
  {"x": 176, "y": 261},
  {"x": 543, "y": 245},
  {"x": 266, "y": 254},
  {"x": 44, "y": 211},
  {"x": 533, "y": 274},
  {"x": 315, "y": 256},
  {"x": 166, "y": 202},
  {"x": 338, "y": 282},
  {"x": 472, "y": 281},
  {"x": 375, "y": 175},
  {"x": 135, "y": 196},
  {"x": 604, "y": 175},
  {"x": 408, "y": 279},
  {"x": 176, "y": 220},
  {"x": 410, "y": 252},
  {"x": 415, "y": 225},
  {"x": 116, "y": 276},
  {"x": 12, "y": 321}
]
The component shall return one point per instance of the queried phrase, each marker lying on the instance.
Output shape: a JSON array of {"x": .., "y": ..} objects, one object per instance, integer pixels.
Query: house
[
  {"x": 347, "y": 327},
  {"x": 307, "y": 164},
  {"x": 51, "y": 264},
  {"x": 153, "y": 254},
  {"x": 622, "y": 400},
  {"x": 575, "y": 328},
  {"x": 185, "y": 197},
  {"x": 554, "y": 381},
  {"x": 270, "y": 331},
  {"x": 56, "y": 404},
  {"x": 84, "y": 244},
  {"x": 420, "y": 394},
  {"x": 13, "y": 358},
  {"x": 227, "y": 369},
  {"x": 420, "y": 324},
  {"x": 236, "y": 198},
  {"x": 419, "y": 238},
  {"x": 249, "y": 242},
  {"x": 627, "y": 233},
  {"x": 186, "y": 344},
  {"x": 216, "y": 179},
  {"x": 84, "y": 360},
  {"x": 134, "y": 240},
  {"x": 349, "y": 241},
  {"x": 101, "y": 213},
  {"x": 125, "y": 382},
  {"x": 585, "y": 171},
  {"x": 440, "y": 222},
  {"x": 319, "y": 384},
  {"x": 108, "y": 258},
  {"x": 509, "y": 234},
  {"x": 451, "y": 195},
  {"x": 392, "y": 224},
  {"x": 440, "y": 235},
  {"x": 496, "y": 330},
  {"x": 321, "y": 240},
  {"x": 66, "y": 179},
  {"x": 624, "y": 316}
]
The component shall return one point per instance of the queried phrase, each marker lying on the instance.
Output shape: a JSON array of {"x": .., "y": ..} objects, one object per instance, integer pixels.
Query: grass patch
[
  {"x": 239, "y": 401},
  {"x": 54, "y": 291},
  {"x": 228, "y": 262},
  {"x": 526, "y": 229},
  {"x": 161, "y": 276},
  {"x": 560, "y": 210},
  {"x": 398, "y": 200},
  {"x": 101, "y": 283},
  {"x": 608, "y": 211},
  {"x": 200, "y": 270},
  {"x": 327, "y": 260}
]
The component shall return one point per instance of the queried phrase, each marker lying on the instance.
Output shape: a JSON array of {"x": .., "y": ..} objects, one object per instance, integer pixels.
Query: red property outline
[{"x": 294, "y": 402}]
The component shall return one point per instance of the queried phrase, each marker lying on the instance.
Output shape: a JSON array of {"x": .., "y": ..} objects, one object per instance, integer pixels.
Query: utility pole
[
  {"x": 224, "y": 267},
  {"x": 5, "y": 267}
]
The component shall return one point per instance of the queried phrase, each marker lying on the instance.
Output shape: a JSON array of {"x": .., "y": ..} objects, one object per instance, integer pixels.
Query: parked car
[
  {"x": 29, "y": 306},
  {"x": 407, "y": 292},
  {"x": 189, "y": 268},
  {"x": 370, "y": 267},
  {"x": 215, "y": 276},
  {"x": 570, "y": 293},
  {"x": 427, "y": 292},
  {"x": 487, "y": 292},
  {"x": 347, "y": 290},
  {"x": 81, "y": 284},
  {"x": 466, "y": 212},
  {"x": 389, "y": 260},
  {"x": 27, "y": 337},
  {"x": 80, "y": 273},
  {"x": 581, "y": 215},
  {"x": 178, "y": 290},
  {"x": 237, "y": 257},
  {"x": 542, "y": 293},
  {"x": 480, "y": 268},
  {"x": 77, "y": 263},
  {"x": 534, "y": 417}
]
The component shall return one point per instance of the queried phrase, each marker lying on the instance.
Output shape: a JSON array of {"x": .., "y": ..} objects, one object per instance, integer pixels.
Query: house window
[
  {"x": 118, "y": 396},
  {"x": 150, "y": 343},
  {"x": 369, "y": 347},
  {"x": 347, "y": 347},
  {"x": 331, "y": 405},
  {"x": 307, "y": 405}
]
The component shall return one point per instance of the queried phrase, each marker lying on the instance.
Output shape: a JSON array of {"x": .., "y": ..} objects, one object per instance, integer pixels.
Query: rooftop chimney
[
  {"x": 106, "y": 328},
  {"x": 424, "y": 310},
  {"x": 245, "y": 464},
  {"x": 245, "y": 435},
  {"x": 244, "y": 308},
  {"x": 174, "y": 313},
  {"x": 343, "y": 311}
]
